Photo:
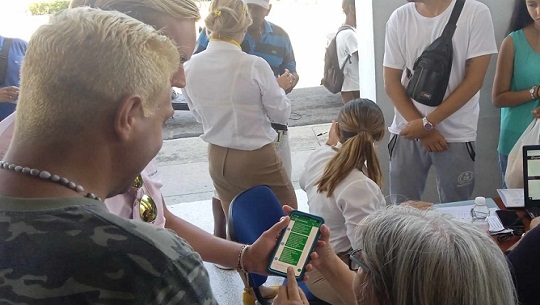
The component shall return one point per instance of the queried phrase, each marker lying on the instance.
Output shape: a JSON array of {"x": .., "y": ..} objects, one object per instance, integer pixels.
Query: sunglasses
[
  {"x": 356, "y": 261},
  {"x": 147, "y": 206}
]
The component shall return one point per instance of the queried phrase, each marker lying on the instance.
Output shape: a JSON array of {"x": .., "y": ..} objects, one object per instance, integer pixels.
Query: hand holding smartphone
[{"x": 295, "y": 244}]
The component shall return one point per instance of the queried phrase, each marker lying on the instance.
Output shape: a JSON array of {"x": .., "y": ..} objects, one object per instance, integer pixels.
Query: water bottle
[{"x": 480, "y": 213}]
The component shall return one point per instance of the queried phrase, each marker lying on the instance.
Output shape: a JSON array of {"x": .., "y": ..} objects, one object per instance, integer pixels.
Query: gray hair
[{"x": 425, "y": 257}]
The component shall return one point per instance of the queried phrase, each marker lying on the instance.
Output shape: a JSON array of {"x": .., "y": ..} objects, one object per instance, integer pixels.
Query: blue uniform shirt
[
  {"x": 15, "y": 57},
  {"x": 274, "y": 46}
]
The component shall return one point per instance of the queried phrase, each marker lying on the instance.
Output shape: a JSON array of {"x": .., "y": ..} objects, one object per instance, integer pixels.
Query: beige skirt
[{"x": 234, "y": 171}]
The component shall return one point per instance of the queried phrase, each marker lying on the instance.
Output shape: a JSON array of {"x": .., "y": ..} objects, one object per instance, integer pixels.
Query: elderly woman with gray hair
[{"x": 418, "y": 257}]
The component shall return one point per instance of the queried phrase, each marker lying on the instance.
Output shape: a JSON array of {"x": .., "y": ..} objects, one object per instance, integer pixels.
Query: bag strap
[
  {"x": 348, "y": 59},
  {"x": 450, "y": 27},
  {"x": 342, "y": 28},
  {"x": 4, "y": 59}
]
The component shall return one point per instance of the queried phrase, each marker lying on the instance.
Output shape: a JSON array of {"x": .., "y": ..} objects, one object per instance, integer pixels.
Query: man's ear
[{"x": 129, "y": 110}]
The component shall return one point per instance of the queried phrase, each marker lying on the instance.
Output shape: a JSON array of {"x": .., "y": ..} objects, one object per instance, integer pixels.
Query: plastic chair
[{"x": 250, "y": 214}]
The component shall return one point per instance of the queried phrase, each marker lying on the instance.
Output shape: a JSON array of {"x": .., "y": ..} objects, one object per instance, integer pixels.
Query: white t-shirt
[
  {"x": 235, "y": 96},
  {"x": 347, "y": 44},
  {"x": 407, "y": 35},
  {"x": 355, "y": 197}
]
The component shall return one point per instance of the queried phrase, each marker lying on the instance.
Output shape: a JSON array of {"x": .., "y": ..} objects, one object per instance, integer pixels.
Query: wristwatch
[
  {"x": 532, "y": 91},
  {"x": 427, "y": 124}
]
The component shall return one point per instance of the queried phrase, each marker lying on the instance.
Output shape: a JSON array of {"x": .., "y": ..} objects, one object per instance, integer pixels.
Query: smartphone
[
  {"x": 295, "y": 244},
  {"x": 510, "y": 219}
]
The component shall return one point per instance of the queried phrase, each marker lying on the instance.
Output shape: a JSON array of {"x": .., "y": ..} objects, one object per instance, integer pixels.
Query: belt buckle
[{"x": 279, "y": 136}]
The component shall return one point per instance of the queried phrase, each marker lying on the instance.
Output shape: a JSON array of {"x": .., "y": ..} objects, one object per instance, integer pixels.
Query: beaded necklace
[{"x": 45, "y": 175}]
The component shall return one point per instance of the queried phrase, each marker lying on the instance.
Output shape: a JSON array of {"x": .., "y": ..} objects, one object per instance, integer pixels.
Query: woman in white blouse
[
  {"x": 235, "y": 96},
  {"x": 343, "y": 181}
]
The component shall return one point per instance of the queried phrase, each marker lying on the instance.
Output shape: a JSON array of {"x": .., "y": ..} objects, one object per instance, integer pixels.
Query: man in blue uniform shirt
[{"x": 12, "y": 54}]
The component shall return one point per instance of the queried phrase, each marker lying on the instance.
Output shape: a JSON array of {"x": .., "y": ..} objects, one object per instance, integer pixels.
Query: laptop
[{"x": 531, "y": 179}]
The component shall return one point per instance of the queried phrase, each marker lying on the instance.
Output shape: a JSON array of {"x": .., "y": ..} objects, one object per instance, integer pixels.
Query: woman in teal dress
[{"x": 517, "y": 78}]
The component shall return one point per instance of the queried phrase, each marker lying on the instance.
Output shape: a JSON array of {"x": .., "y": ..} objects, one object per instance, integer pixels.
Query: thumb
[
  {"x": 287, "y": 209},
  {"x": 325, "y": 233},
  {"x": 276, "y": 229}
]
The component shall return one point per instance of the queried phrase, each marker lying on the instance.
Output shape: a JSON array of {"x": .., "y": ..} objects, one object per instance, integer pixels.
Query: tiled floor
[{"x": 226, "y": 285}]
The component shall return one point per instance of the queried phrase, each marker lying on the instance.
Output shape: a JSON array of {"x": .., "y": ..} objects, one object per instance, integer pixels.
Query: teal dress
[{"x": 526, "y": 74}]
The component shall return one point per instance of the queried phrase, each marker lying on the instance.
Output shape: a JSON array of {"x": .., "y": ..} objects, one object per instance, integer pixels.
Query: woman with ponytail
[{"x": 343, "y": 181}]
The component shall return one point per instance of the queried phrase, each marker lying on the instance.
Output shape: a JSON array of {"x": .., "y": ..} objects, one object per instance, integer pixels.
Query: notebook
[{"x": 531, "y": 179}]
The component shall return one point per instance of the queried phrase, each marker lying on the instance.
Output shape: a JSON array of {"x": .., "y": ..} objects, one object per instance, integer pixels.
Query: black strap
[
  {"x": 341, "y": 28},
  {"x": 450, "y": 27},
  {"x": 4, "y": 59},
  {"x": 281, "y": 127}
]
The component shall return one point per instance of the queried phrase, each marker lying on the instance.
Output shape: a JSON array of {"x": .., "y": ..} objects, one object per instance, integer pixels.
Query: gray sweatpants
[{"x": 410, "y": 163}]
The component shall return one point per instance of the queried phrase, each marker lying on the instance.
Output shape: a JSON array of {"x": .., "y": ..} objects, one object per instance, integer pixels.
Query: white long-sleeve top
[
  {"x": 235, "y": 96},
  {"x": 355, "y": 197}
]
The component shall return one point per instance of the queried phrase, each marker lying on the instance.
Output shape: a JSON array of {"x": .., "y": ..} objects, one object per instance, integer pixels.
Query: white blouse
[
  {"x": 235, "y": 96},
  {"x": 354, "y": 198}
]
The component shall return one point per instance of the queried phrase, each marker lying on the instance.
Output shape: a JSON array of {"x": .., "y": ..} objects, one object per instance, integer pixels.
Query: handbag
[
  {"x": 514, "y": 169},
  {"x": 431, "y": 71}
]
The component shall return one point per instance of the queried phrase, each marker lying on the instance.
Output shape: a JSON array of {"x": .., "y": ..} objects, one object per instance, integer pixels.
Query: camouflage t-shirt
[{"x": 73, "y": 251}]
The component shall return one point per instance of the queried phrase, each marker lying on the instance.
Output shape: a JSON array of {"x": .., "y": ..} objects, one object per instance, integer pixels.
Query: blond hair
[
  {"x": 427, "y": 258},
  {"x": 147, "y": 11},
  {"x": 82, "y": 63},
  {"x": 227, "y": 18},
  {"x": 361, "y": 124}
]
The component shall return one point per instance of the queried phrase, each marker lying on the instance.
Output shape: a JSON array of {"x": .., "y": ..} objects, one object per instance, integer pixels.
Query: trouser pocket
[
  {"x": 392, "y": 144},
  {"x": 471, "y": 150}
]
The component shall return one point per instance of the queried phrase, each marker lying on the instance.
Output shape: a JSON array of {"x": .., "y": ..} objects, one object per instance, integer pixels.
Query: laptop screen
[{"x": 531, "y": 174}]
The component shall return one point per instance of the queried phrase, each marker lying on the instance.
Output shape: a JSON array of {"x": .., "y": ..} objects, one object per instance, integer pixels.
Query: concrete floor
[
  {"x": 187, "y": 186},
  {"x": 226, "y": 285}
]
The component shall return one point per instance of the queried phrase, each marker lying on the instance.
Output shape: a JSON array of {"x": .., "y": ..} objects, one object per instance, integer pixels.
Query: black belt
[{"x": 277, "y": 127}]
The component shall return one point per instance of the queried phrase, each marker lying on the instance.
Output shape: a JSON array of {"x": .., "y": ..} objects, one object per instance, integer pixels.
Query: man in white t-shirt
[
  {"x": 442, "y": 136},
  {"x": 347, "y": 50}
]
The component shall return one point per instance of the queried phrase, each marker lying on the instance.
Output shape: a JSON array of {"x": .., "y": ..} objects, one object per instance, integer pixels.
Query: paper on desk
[
  {"x": 512, "y": 198},
  {"x": 463, "y": 213}
]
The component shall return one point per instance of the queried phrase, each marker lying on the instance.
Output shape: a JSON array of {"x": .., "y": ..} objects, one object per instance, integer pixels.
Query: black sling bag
[{"x": 431, "y": 71}]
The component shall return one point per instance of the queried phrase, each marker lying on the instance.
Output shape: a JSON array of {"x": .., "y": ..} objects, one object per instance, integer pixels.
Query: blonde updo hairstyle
[{"x": 227, "y": 19}]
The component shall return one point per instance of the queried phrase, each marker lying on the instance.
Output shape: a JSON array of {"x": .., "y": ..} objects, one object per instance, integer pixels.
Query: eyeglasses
[
  {"x": 356, "y": 262},
  {"x": 147, "y": 206}
]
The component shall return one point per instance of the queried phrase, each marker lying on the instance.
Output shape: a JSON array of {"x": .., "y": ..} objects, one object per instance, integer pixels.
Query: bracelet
[
  {"x": 533, "y": 92},
  {"x": 240, "y": 264}
]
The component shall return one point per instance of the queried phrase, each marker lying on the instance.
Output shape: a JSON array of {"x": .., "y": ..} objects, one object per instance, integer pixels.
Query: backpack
[
  {"x": 431, "y": 71},
  {"x": 333, "y": 73}
]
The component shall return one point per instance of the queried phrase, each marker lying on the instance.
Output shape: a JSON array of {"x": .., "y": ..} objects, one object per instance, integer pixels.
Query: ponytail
[
  {"x": 355, "y": 153},
  {"x": 360, "y": 125}
]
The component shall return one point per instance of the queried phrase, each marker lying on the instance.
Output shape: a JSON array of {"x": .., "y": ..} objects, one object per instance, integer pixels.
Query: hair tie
[
  {"x": 217, "y": 12},
  {"x": 348, "y": 134}
]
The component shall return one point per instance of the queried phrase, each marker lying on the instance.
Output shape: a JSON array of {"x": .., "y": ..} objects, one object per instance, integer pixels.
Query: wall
[{"x": 371, "y": 43}]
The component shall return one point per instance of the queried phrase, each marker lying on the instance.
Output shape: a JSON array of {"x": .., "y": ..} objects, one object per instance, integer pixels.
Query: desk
[
  {"x": 494, "y": 203},
  {"x": 525, "y": 218}
]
